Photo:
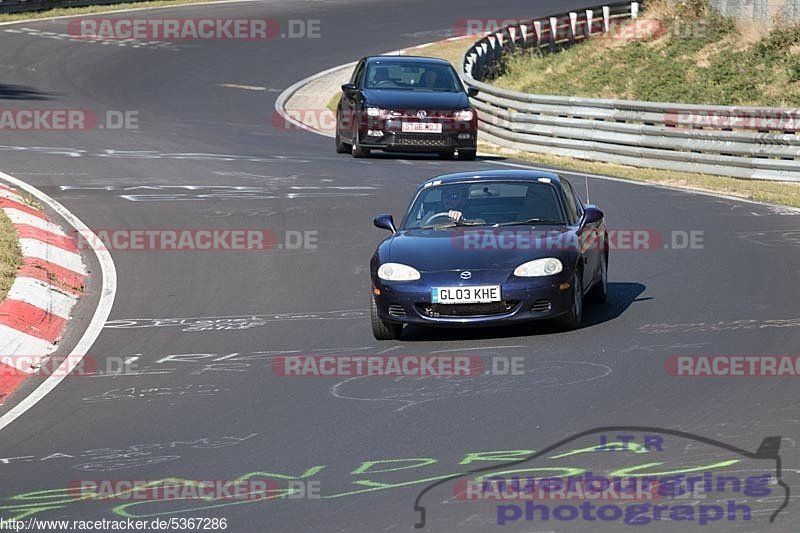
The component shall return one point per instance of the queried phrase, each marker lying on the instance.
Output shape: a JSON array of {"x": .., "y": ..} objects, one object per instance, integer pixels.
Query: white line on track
[
  {"x": 243, "y": 87},
  {"x": 108, "y": 291},
  {"x": 186, "y": 4}
]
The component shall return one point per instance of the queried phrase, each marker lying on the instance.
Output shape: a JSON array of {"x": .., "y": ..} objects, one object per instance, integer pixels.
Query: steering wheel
[
  {"x": 383, "y": 82},
  {"x": 434, "y": 216}
]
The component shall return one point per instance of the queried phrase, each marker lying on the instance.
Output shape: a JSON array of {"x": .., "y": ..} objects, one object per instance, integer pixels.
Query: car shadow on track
[
  {"x": 21, "y": 92},
  {"x": 621, "y": 295}
]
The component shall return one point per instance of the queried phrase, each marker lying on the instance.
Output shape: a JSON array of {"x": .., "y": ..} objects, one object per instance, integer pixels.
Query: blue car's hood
[
  {"x": 408, "y": 99},
  {"x": 475, "y": 248}
]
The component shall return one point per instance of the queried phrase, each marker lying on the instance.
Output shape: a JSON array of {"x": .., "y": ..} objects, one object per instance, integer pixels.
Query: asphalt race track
[{"x": 203, "y": 402}]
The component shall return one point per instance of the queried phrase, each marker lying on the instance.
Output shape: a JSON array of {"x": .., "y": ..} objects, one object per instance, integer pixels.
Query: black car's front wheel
[
  {"x": 341, "y": 146},
  {"x": 573, "y": 319},
  {"x": 356, "y": 149},
  {"x": 382, "y": 330}
]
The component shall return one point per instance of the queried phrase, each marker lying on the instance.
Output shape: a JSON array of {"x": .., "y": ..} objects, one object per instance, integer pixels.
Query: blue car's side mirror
[
  {"x": 592, "y": 215},
  {"x": 385, "y": 222},
  {"x": 472, "y": 91}
]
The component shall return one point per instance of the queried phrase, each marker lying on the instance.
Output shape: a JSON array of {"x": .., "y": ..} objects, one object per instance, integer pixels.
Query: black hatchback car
[{"x": 406, "y": 104}]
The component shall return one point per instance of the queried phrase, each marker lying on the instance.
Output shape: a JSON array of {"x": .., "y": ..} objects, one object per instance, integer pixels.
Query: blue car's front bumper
[{"x": 523, "y": 299}]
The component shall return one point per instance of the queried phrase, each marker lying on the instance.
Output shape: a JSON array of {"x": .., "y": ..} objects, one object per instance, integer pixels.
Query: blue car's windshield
[
  {"x": 487, "y": 203},
  {"x": 411, "y": 76}
]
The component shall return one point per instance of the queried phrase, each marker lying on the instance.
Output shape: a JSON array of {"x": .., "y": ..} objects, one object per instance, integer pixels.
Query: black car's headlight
[
  {"x": 397, "y": 272},
  {"x": 539, "y": 267},
  {"x": 464, "y": 115}
]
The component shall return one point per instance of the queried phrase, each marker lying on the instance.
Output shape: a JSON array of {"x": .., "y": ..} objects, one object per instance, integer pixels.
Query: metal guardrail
[
  {"x": 762, "y": 11},
  {"x": 22, "y": 6},
  {"x": 742, "y": 142}
]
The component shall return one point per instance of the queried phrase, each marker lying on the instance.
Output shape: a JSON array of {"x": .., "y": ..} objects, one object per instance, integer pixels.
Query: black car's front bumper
[{"x": 420, "y": 142}]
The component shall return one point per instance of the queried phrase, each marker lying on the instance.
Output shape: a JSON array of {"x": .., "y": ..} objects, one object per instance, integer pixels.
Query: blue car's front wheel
[
  {"x": 382, "y": 330},
  {"x": 573, "y": 319}
]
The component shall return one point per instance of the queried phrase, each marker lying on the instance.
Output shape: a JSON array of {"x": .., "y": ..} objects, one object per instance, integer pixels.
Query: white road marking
[
  {"x": 243, "y": 87},
  {"x": 169, "y": 6}
]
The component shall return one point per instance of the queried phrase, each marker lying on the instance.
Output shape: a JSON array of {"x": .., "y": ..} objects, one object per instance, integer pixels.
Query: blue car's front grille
[
  {"x": 540, "y": 306},
  {"x": 456, "y": 310}
]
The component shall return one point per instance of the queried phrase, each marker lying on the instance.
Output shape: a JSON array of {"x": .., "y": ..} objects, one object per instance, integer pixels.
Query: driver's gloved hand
[{"x": 455, "y": 215}]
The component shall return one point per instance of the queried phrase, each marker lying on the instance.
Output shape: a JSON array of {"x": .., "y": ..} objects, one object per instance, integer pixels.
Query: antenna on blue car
[{"x": 586, "y": 179}]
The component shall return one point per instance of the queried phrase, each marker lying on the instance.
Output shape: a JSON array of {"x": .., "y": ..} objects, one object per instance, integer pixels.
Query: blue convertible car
[{"x": 487, "y": 248}]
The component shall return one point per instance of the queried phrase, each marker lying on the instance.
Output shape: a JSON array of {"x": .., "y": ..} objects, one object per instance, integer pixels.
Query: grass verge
[
  {"x": 695, "y": 57},
  {"x": 86, "y": 10},
  {"x": 10, "y": 254}
]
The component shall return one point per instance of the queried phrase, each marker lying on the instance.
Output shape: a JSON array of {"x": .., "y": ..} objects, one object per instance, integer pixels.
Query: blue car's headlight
[
  {"x": 397, "y": 272},
  {"x": 539, "y": 267}
]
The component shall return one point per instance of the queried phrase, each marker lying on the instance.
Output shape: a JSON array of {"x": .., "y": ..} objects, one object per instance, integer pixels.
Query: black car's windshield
[
  {"x": 411, "y": 76},
  {"x": 486, "y": 203}
]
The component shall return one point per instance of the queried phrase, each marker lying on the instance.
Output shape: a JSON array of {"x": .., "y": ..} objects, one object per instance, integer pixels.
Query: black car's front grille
[
  {"x": 455, "y": 310},
  {"x": 423, "y": 139},
  {"x": 397, "y": 311},
  {"x": 541, "y": 306}
]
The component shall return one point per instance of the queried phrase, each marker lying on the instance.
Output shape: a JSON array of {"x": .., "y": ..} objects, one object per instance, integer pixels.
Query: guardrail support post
[
  {"x": 606, "y": 19},
  {"x": 634, "y": 10},
  {"x": 589, "y": 23},
  {"x": 553, "y": 32},
  {"x": 537, "y": 32},
  {"x": 573, "y": 25},
  {"x": 498, "y": 51}
]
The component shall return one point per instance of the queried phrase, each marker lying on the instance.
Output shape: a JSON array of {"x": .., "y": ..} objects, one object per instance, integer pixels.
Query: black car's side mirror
[
  {"x": 349, "y": 89},
  {"x": 385, "y": 222},
  {"x": 592, "y": 215},
  {"x": 472, "y": 91}
]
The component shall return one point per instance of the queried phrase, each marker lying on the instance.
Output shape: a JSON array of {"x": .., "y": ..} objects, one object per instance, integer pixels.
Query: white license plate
[
  {"x": 422, "y": 127},
  {"x": 466, "y": 295}
]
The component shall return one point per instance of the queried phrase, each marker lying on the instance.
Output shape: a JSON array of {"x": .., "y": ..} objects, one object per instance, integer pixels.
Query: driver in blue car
[
  {"x": 453, "y": 201},
  {"x": 454, "y": 198}
]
